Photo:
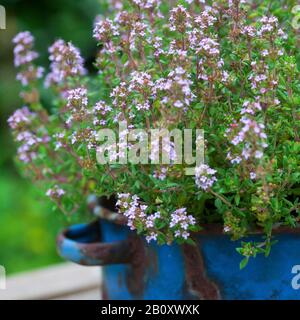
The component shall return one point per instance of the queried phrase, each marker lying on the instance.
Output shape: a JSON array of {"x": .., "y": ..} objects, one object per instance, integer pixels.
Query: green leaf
[
  {"x": 237, "y": 199},
  {"x": 244, "y": 263}
]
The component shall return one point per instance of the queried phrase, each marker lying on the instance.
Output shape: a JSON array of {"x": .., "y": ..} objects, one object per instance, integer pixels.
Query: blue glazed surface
[
  {"x": 164, "y": 283},
  {"x": 263, "y": 278}
]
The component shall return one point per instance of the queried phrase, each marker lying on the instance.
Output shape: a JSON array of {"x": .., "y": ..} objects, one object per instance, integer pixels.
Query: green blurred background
[{"x": 28, "y": 224}]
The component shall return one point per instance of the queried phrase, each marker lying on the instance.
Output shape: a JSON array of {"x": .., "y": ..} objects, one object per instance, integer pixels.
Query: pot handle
[{"x": 82, "y": 244}]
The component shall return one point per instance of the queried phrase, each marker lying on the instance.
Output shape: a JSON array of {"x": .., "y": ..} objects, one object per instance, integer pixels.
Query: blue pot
[{"x": 134, "y": 269}]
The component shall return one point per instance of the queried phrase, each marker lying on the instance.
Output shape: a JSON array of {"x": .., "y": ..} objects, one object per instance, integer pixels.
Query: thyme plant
[{"x": 226, "y": 67}]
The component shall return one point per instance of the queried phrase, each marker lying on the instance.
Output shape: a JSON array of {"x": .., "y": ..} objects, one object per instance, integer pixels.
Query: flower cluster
[
  {"x": 100, "y": 110},
  {"x": 140, "y": 81},
  {"x": 147, "y": 4},
  {"x": 29, "y": 141},
  {"x": 253, "y": 138},
  {"x": 86, "y": 135},
  {"x": 77, "y": 102},
  {"x": 20, "y": 122},
  {"x": 20, "y": 118},
  {"x": 181, "y": 222},
  {"x": 180, "y": 19},
  {"x": 206, "y": 19},
  {"x": 24, "y": 55},
  {"x": 23, "y": 52},
  {"x": 168, "y": 150},
  {"x": 29, "y": 75},
  {"x": 104, "y": 30},
  {"x": 247, "y": 136},
  {"x": 59, "y": 140},
  {"x": 175, "y": 90},
  {"x": 262, "y": 81},
  {"x": 269, "y": 27},
  {"x": 205, "y": 177},
  {"x": 157, "y": 44},
  {"x": 77, "y": 98},
  {"x": 56, "y": 192},
  {"x": 137, "y": 35},
  {"x": 130, "y": 206},
  {"x": 66, "y": 61},
  {"x": 251, "y": 108},
  {"x": 203, "y": 40},
  {"x": 115, "y": 4},
  {"x": 161, "y": 173}
]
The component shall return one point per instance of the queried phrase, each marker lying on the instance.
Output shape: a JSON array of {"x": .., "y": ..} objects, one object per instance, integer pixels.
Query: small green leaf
[
  {"x": 244, "y": 263},
  {"x": 237, "y": 199}
]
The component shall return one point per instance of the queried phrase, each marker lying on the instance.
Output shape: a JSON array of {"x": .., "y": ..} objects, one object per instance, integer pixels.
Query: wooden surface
[{"x": 66, "y": 281}]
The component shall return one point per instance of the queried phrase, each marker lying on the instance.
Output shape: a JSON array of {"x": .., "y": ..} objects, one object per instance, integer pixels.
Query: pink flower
[
  {"x": 20, "y": 117},
  {"x": 55, "y": 192},
  {"x": 66, "y": 61},
  {"x": 205, "y": 177},
  {"x": 23, "y": 52}
]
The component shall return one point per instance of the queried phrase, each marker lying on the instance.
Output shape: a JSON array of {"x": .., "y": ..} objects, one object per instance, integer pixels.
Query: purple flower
[
  {"x": 77, "y": 98},
  {"x": 160, "y": 174},
  {"x": 104, "y": 30},
  {"x": 250, "y": 136},
  {"x": 181, "y": 222},
  {"x": 32, "y": 73},
  {"x": 23, "y": 53},
  {"x": 20, "y": 117},
  {"x": 147, "y": 4},
  {"x": 252, "y": 175},
  {"x": 152, "y": 236},
  {"x": 180, "y": 19},
  {"x": 66, "y": 61},
  {"x": 205, "y": 177},
  {"x": 55, "y": 192}
]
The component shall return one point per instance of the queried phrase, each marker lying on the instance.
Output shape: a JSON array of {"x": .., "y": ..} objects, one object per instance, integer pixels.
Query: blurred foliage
[
  {"x": 28, "y": 223},
  {"x": 28, "y": 227}
]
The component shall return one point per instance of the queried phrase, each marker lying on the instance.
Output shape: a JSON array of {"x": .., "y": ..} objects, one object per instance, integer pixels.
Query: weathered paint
[
  {"x": 210, "y": 270},
  {"x": 263, "y": 278},
  {"x": 81, "y": 244},
  {"x": 196, "y": 277}
]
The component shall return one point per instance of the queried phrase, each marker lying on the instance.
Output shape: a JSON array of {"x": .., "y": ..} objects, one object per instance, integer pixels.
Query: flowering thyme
[
  {"x": 181, "y": 222},
  {"x": 180, "y": 19},
  {"x": 205, "y": 177},
  {"x": 24, "y": 55},
  {"x": 104, "y": 30},
  {"x": 100, "y": 110},
  {"x": 137, "y": 218},
  {"x": 132, "y": 209},
  {"x": 178, "y": 82},
  {"x": 20, "y": 122},
  {"x": 250, "y": 136},
  {"x": 198, "y": 65},
  {"x": 66, "y": 61},
  {"x": 55, "y": 192},
  {"x": 20, "y": 118},
  {"x": 161, "y": 173}
]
